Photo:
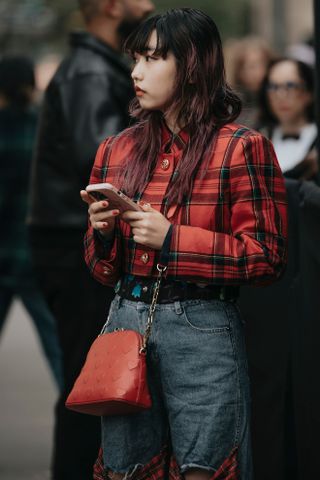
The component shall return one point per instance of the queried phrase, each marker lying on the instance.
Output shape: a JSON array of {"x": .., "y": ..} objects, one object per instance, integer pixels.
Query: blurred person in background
[
  {"x": 86, "y": 101},
  {"x": 247, "y": 60},
  {"x": 282, "y": 318},
  {"x": 18, "y": 121},
  {"x": 45, "y": 68},
  {"x": 287, "y": 115},
  {"x": 303, "y": 51}
]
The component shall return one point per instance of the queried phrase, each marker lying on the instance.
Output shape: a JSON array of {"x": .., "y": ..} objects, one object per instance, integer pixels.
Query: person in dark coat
[
  {"x": 86, "y": 101},
  {"x": 283, "y": 349}
]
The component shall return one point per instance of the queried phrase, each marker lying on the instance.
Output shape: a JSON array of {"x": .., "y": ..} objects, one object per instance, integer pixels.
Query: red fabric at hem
[{"x": 164, "y": 467}]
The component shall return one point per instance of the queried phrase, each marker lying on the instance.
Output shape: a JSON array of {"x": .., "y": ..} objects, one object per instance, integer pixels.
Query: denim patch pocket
[{"x": 207, "y": 316}]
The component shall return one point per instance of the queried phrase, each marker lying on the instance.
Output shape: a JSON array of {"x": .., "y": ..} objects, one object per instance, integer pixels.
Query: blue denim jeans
[{"x": 197, "y": 374}]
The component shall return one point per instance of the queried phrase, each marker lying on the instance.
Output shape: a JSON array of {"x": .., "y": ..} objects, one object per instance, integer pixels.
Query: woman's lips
[{"x": 139, "y": 91}]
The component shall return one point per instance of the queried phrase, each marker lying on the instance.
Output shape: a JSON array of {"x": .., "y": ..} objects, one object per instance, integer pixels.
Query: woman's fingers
[
  {"x": 96, "y": 207},
  {"x": 103, "y": 219},
  {"x": 85, "y": 197},
  {"x": 102, "y": 216},
  {"x": 130, "y": 215},
  {"x": 101, "y": 225},
  {"x": 146, "y": 207}
]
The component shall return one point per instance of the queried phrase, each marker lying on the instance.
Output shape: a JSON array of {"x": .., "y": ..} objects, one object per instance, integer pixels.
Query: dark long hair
[
  {"x": 16, "y": 77},
  {"x": 306, "y": 74},
  {"x": 202, "y": 98}
]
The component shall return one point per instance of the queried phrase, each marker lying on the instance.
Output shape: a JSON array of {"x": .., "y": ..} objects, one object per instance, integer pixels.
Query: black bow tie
[{"x": 291, "y": 136}]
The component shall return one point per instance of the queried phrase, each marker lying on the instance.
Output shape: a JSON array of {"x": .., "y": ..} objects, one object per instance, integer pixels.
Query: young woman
[
  {"x": 287, "y": 114},
  {"x": 213, "y": 192}
]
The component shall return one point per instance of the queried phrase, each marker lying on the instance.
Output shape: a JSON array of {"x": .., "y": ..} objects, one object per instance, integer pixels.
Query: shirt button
[
  {"x": 107, "y": 271},
  {"x": 165, "y": 164},
  {"x": 144, "y": 258}
]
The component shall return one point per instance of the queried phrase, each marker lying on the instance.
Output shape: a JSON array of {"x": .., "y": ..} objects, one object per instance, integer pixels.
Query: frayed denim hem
[
  {"x": 128, "y": 472},
  {"x": 188, "y": 466}
]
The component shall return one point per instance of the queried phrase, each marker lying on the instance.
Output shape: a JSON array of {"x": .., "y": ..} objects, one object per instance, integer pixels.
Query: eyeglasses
[{"x": 289, "y": 88}]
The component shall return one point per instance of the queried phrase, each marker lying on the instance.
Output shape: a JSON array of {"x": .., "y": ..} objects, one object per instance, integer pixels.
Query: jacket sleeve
[
  {"x": 93, "y": 113},
  {"x": 255, "y": 249},
  {"x": 102, "y": 257}
]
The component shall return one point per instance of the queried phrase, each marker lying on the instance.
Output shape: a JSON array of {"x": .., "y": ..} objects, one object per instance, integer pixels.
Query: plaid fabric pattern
[
  {"x": 98, "y": 470},
  {"x": 164, "y": 467},
  {"x": 17, "y": 134},
  {"x": 230, "y": 231}
]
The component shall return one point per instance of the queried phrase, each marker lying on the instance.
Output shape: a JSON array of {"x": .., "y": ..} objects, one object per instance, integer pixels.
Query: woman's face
[
  {"x": 287, "y": 94},
  {"x": 253, "y": 69},
  {"x": 154, "y": 77}
]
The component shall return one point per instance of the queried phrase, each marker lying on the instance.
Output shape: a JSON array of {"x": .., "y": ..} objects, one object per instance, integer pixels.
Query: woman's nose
[{"x": 136, "y": 73}]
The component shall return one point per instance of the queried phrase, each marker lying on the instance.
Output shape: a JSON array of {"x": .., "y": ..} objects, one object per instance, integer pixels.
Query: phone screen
[{"x": 98, "y": 196}]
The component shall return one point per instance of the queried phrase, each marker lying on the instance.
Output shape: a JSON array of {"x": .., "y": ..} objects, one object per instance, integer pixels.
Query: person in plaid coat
[
  {"x": 212, "y": 198},
  {"x": 18, "y": 123}
]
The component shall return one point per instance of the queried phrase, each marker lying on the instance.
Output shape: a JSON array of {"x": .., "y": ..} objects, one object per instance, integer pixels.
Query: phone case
[{"x": 117, "y": 199}]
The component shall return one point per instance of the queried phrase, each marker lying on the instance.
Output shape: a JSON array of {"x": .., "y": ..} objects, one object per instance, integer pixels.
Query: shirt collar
[{"x": 173, "y": 141}]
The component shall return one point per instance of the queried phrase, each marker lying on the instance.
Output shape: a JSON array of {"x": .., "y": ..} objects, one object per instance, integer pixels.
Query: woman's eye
[{"x": 150, "y": 57}]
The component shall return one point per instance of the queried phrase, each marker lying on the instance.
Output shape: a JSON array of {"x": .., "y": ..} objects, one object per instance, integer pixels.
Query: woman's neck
[
  {"x": 172, "y": 123},
  {"x": 294, "y": 126}
]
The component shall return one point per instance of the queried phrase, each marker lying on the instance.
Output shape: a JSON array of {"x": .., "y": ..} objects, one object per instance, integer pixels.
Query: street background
[
  {"x": 279, "y": 22},
  {"x": 26, "y": 401},
  {"x": 40, "y": 28}
]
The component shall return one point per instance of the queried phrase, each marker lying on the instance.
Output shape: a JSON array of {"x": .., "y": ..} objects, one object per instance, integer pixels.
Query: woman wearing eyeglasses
[{"x": 287, "y": 114}]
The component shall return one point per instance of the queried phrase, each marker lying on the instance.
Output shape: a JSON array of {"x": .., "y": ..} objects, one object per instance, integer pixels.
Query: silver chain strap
[{"x": 147, "y": 333}]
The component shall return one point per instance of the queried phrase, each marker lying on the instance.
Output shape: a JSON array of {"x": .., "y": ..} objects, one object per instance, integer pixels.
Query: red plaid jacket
[
  {"x": 231, "y": 230},
  {"x": 164, "y": 467}
]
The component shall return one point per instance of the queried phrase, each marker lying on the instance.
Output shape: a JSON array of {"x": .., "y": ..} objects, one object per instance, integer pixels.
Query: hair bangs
[
  {"x": 138, "y": 41},
  {"x": 202, "y": 102}
]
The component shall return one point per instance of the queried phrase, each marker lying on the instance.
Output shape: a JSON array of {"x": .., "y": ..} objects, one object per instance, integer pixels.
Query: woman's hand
[
  {"x": 101, "y": 218},
  {"x": 149, "y": 227}
]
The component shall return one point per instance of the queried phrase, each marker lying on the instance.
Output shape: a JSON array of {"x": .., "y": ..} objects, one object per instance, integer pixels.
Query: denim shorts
[{"x": 197, "y": 375}]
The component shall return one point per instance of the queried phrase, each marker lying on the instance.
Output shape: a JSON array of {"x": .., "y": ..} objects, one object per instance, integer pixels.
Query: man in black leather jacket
[{"x": 86, "y": 101}]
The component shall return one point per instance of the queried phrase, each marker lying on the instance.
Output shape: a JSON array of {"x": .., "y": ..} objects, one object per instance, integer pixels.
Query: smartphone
[{"x": 117, "y": 199}]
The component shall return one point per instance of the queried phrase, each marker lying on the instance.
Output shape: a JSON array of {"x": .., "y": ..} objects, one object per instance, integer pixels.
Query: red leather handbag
[{"x": 113, "y": 380}]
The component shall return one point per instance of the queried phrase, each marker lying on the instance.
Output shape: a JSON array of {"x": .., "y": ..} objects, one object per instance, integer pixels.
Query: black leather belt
[{"x": 140, "y": 289}]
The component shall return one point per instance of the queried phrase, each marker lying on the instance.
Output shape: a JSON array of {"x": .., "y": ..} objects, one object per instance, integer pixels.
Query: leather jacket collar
[{"x": 87, "y": 40}]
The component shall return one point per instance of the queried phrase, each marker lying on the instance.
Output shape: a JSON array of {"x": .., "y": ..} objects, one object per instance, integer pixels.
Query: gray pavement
[{"x": 27, "y": 397}]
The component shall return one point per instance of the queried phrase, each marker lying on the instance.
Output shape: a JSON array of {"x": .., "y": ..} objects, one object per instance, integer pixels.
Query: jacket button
[
  {"x": 144, "y": 258},
  {"x": 165, "y": 164}
]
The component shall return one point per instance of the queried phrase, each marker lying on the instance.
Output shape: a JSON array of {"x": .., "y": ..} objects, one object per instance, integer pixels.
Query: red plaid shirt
[
  {"x": 231, "y": 230},
  {"x": 164, "y": 467}
]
